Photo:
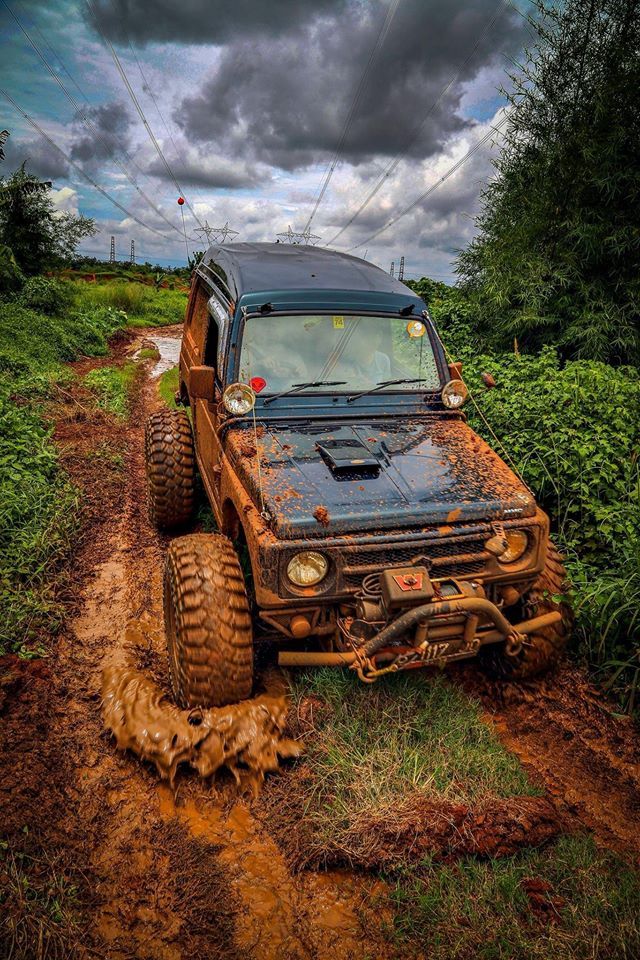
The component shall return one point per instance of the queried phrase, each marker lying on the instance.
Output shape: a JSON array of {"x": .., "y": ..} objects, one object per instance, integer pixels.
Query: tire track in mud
[
  {"x": 565, "y": 734},
  {"x": 271, "y": 913}
]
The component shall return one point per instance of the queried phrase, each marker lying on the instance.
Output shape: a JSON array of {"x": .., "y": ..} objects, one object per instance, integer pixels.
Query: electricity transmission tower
[
  {"x": 112, "y": 251},
  {"x": 215, "y": 234},
  {"x": 401, "y": 270},
  {"x": 293, "y": 236},
  {"x": 393, "y": 268},
  {"x": 133, "y": 251}
]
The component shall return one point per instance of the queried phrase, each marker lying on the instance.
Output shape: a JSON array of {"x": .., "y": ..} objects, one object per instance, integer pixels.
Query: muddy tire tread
[
  {"x": 170, "y": 461},
  {"x": 207, "y": 621}
]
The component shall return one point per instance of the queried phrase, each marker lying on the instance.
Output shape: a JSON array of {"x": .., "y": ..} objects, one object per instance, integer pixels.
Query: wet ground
[{"x": 194, "y": 873}]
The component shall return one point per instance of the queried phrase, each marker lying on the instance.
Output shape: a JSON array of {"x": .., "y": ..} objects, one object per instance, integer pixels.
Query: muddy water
[
  {"x": 247, "y": 738},
  {"x": 169, "y": 350}
]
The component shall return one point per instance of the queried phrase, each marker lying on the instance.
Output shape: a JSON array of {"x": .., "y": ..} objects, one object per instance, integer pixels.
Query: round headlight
[
  {"x": 454, "y": 394},
  {"x": 308, "y": 568},
  {"x": 238, "y": 399},
  {"x": 517, "y": 543}
]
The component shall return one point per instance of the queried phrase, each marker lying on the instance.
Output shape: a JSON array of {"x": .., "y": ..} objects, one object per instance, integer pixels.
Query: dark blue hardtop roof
[{"x": 247, "y": 268}]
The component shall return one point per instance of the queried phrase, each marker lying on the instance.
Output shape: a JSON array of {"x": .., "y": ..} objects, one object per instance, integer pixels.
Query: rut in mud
[{"x": 196, "y": 874}]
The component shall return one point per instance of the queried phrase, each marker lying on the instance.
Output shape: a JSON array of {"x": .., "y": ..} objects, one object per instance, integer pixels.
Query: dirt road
[{"x": 200, "y": 877}]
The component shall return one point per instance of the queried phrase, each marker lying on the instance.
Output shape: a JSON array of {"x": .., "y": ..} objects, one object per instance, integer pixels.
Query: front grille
[{"x": 453, "y": 557}]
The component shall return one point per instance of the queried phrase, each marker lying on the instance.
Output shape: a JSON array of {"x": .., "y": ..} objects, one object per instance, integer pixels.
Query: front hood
[{"x": 418, "y": 472}]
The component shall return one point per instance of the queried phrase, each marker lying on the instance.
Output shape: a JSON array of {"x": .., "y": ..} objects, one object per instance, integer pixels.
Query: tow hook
[{"x": 513, "y": 644}]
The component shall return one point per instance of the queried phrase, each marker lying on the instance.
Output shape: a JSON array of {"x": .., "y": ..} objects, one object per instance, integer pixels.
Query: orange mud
[{"x": 244, "y": 736}]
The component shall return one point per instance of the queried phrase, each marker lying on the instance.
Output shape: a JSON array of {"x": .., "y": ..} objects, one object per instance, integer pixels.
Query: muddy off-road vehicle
[{"x": 376, "y": 529}]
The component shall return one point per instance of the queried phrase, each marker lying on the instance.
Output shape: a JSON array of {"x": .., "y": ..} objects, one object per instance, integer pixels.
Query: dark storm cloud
[
  {"x": 41, "y": 158},
  {"x": 286, "y": 98},
  {"x": 112, "y": 123},
  {"x": 211, "y": 173},
  {"x": 201, "y": 21}
]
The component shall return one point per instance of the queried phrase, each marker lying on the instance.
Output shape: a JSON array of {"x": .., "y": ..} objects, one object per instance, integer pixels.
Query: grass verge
[
  {"x": 144, "y": 306},
  {"x": 168, "y": 385}
]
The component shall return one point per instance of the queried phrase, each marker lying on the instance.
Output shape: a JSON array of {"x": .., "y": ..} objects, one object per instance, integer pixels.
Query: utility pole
[
  {"x": 112, "y": 251},
  {"x": 304, "y": 237},
  {"x": 133, "y": 252},
  {"x": 393, "y": 268},
  {"x": 401, "y": 270}
]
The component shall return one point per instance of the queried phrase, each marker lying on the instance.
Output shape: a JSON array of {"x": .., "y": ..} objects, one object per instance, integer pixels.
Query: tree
[
  {"x": 29, "y": 225},
  {"x": 557, "y": 253}
]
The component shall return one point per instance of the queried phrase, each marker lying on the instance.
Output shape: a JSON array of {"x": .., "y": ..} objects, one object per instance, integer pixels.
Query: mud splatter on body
[{"x": 245, "y": 737}]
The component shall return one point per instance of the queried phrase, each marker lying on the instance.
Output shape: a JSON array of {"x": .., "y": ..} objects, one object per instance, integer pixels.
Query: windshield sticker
[
  {"x": 257, "y": 384},
  {"x": 416, "y": 328},
  {"x": 338, "y": 323}
]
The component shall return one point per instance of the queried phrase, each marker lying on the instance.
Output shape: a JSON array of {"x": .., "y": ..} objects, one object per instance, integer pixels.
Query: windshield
[{"x": 362, "y": 351}]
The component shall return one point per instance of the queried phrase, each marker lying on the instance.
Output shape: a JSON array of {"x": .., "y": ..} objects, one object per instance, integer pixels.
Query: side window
[
  {"x": 211, "y": 345},
  {"x": 218, "y": 325}
]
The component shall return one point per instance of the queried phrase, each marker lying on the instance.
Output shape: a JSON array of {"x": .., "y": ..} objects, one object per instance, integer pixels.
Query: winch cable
[
  {"x": 77, "y": 166},
  {"x": 384, "y": 30},
  {"x": 390, "y": 169}
]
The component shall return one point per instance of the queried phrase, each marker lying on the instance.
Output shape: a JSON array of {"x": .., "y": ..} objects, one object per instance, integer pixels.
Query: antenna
[
  {"x": 112, "y": 251},
  {"x": 401, "y": 270},
  {"x": 133, "y": 252},
  {"x": 393, "y": 268}
]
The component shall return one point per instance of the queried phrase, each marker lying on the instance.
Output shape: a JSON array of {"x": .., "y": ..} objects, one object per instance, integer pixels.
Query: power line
[
  {"x": 88, "y": 123},
  {"x": 77, "y": 166},
  {"x": 456, "y": 166},
  {"x": 354, "y": 105},
  {"x": 400, "y": 156},
  {"x": 141, "y": 113}
]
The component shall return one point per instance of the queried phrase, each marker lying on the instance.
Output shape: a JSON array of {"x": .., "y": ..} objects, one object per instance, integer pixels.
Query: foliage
[
  {"x": 38, "y": 236},
  {"x": 11, "y": 277},
  {"x": 45, "y": 294},
  {"x": 556, "y": 259},
  {"x": 569, "y": 901}
]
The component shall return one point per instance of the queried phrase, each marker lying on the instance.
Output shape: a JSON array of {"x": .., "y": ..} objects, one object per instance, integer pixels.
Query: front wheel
[
  {"x": 541, "y": 650},
  {"x": 207, "y": 622}
]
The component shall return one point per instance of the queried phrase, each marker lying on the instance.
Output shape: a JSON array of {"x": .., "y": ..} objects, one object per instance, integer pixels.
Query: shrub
[
  {"x": 46, "y": 295},
  {"x": 11, "y": 276}
]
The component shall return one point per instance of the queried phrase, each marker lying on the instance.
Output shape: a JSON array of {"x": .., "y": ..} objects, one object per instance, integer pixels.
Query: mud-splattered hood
[{"x": 334, "y": 479}]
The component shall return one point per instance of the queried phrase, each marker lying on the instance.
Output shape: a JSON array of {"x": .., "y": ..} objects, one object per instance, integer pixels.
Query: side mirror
[
  {"x": 201, "y": 382},
  {"x": 455, "y": 371}
]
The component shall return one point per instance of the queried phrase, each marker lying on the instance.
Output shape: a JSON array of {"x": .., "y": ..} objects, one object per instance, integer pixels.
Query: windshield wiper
[
  {"x": 296, "y": 387},
  {"x": 381, "y": 385}
]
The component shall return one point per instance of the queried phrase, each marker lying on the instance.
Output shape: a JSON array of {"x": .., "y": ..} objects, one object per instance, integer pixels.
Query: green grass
[
  {"x": 373, "y": 746},
  {"x": 168, "y": 385},
  {"x": 144, "y": 306},
  {"x": 481, "y": 910},
  {"x": 112, "y": 387}
]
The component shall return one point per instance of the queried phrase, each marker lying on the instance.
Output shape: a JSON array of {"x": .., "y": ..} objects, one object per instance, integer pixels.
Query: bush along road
[{"x": 430, "y": 815}]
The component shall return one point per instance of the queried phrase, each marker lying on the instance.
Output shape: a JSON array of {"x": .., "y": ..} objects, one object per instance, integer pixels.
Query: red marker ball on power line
[{"x": 180, "y": 200}]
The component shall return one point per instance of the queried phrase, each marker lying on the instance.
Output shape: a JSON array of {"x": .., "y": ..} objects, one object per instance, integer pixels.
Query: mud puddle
[{"x": 169, "y": 350}]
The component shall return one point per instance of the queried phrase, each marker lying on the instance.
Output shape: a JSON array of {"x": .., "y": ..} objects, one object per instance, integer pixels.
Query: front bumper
[{"x": 432, "y": 633}]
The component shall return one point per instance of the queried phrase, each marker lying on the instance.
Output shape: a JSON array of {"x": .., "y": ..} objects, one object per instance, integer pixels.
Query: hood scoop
[{"x": 348, "y": 459}]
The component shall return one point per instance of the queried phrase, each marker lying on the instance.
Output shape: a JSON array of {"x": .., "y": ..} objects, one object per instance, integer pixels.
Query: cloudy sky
[{"x": 251, "y": 103}]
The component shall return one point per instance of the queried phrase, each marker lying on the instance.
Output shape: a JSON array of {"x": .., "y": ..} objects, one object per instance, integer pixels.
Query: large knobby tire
[
  {"x": 207, "y": 622},
  {"x": 543, "y": 649},
  {"x": 170, "y": 468}
]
